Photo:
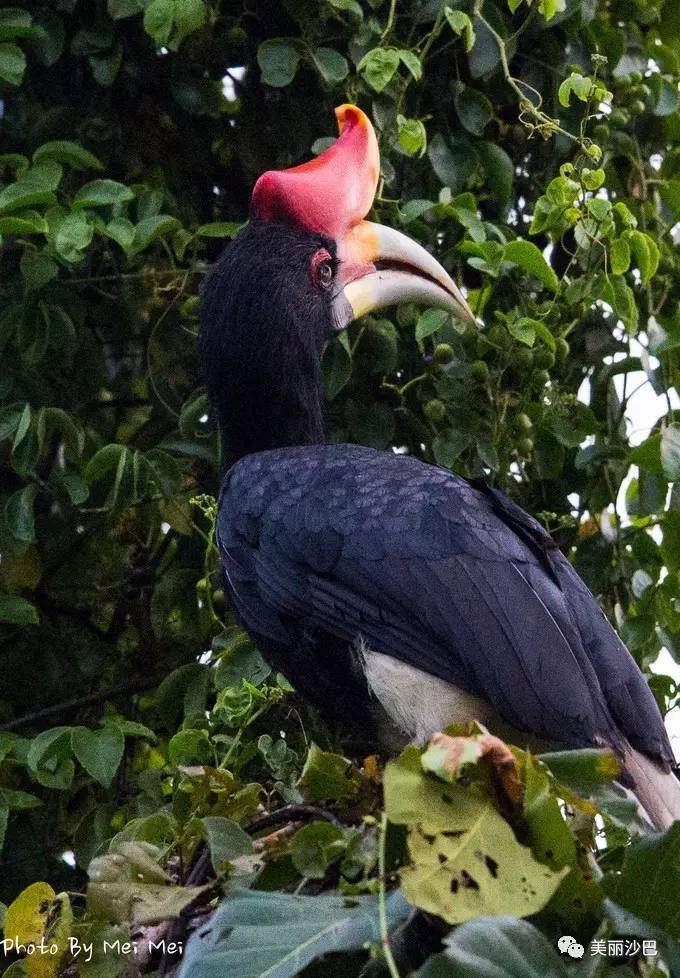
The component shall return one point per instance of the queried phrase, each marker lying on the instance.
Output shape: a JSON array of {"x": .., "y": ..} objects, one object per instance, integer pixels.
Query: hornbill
[{"x": 389, "y": 591}]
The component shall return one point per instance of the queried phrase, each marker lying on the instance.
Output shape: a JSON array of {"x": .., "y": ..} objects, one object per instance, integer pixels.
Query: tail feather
[{"x": 657, "y": 790}]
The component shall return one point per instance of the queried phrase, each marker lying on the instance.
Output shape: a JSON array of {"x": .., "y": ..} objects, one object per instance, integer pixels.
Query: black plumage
[
  {"x": 340, "y": 542},
  {"x": 330, "y": 547}
]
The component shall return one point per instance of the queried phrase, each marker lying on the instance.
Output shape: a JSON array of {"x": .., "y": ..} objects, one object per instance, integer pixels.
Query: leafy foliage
[{"x": 149, "y": 757}]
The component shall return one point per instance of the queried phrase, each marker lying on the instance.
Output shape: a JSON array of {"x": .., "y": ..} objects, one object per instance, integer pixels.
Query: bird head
[
  {"x": 305, "y": 266},
  {"x": 370, "y": 265}
]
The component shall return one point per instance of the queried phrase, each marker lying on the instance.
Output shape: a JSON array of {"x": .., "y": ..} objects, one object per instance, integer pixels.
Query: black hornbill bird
[{"x": 385, "y": 589}]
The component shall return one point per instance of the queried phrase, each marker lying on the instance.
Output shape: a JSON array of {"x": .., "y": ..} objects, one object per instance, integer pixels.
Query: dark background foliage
[{"x": 533, "y": 146}]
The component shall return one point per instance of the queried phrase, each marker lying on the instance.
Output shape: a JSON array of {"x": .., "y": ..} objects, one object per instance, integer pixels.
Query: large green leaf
[
  {"x": 99, "y": 751},
  {"x": 12, "y": 64},
  {"x": 255, "y": 934},
  {"x": 654, "y": 859},
  {"x": 15, "y": 610},
  {"x": 527, "y": 256},
  {"x": 279, "y": 59},
  {"x": 496, "y": 947}
]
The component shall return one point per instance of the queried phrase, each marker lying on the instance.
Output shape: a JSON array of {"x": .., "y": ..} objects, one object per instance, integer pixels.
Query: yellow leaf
[
  {"x": 42, "y": 918},
  {"x": 26, "y": 917}
]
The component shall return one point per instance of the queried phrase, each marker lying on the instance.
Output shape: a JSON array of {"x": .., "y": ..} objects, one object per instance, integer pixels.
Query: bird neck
[{"x": 265, "y": 409}]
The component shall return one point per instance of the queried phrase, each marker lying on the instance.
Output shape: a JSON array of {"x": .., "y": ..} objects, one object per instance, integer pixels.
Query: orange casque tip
[{"x": 329, "y": 194}]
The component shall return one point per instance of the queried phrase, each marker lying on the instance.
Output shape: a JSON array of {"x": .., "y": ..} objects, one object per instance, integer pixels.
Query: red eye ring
[{"x": 321, "y": 269}]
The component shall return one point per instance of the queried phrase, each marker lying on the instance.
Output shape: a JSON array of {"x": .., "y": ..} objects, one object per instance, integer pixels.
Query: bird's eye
[{"x": 322, "y": 269}]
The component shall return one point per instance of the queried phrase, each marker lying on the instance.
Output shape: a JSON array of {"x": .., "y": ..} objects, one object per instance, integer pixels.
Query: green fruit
[
  {"x": 637, "y": 107},
  {"x": 522, "y": 359},
  {"x": 525, "y": 446},
  {"x": 435, "y": 410},
  {"x": 443, "y": 353},
  {"x": 237, "y": 36},
  {"x": 601, "y": 132},
  {"x": 407, "y": 314},
  {"x": 561, "y": 349},
  {"x": 544, "y": 359},
  {"x": 523, "y": 422},
  {"x": 643, "y": 91},
  {"x": 479, "y": 371},
  {"x": 619, "y": 117},
  {"x": 635, "y": 77},
  {"x": 540, "y": 378}
]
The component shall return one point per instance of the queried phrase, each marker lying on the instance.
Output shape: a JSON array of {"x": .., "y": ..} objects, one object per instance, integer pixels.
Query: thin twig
[
  {"x": 384, "y": 934},
  {"x": 68, "y": 706}
]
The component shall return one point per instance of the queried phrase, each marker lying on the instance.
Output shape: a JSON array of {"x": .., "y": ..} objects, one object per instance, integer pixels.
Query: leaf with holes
[{"x": 464, "y": 858}]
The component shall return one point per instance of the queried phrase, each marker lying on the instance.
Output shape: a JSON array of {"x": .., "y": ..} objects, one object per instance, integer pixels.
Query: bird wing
[{"x": 448, "y": 577}]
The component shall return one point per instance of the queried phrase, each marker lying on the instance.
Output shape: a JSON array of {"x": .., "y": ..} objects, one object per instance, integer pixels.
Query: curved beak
[{"x": 383, "y": 267}]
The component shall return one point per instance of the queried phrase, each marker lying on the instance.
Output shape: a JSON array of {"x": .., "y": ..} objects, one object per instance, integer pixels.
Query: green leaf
[
  {"x": 500, "y": 946},
  {"x": 645, "y": 251},
  {"x": 14, "y": 22},
  {"x": 523, "y": 330},
  {"x": 412, "y": 136},
  {"x": 20, "y": 800},
  {"x": 379, "y": 66},
  {"x": 15, "y": 610},
  {"x": 138, "y": 903},
  {"x": 581, "y": 769},
  {"x": 668, "y": 98},
  {"x": 499, "y": 170},
  {"x": 151, "y": 229},
  {"x": 118, "y": 9},
  {"x": 592, "y": 179},
  {"x": 474, "y": 109},
  {"x": 48, "y": 36},
  {"x": 66, "y": 151},
  {"x": 327, "y": 776},
  {"x": 527, "y": 256},
  {"x": 648, "y": 454},
  {"x": 226, "y": 841},
  {"x": 670, "y": 453},
  {"x": 276, "y": 935},
  {"x": 37, "y": 270},
  {"x": 122, "y": 231},
  {"x": 315, "y": 846},
  {"x": 219, "y": 229},
  {"x": 619, "y": 256},
  {"x": 331, "y": 65},
  {"x": 575, "y": 84},
  {"x": 30, "y": 222},
  {"x": 551, "y": 7},
  {"x": 168, "y": 22},
  {"x": 654, "y": 859},
  {"x": 449, "y": 446},
  {"x": 49, "y": 758},
  {"x": 12, "y": 64},
  {"x": 102, "y": 193},
  {"x": 412, "y": 62},
  {"x": 336, "y": 365},
  {"x": 461, "y": 24},
  {"x": 19, "y": 513},
  {"x": 430, "y": 322},
  {"x": 73, "y": 236},
  {"x": 279, "y": 59},
  {"x": 99, "y": 751}
]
